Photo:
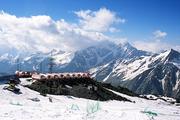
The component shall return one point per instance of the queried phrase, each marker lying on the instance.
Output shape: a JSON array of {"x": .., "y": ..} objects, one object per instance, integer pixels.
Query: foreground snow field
[{"x": 21, "y": 107}]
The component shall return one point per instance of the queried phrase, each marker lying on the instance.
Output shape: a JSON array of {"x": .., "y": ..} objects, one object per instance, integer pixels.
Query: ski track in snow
[{"x": 20, "y": 107}]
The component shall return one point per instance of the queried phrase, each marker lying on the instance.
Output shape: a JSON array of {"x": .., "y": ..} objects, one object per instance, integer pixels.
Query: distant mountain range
[
  {"x": 81, "y": 60},
  {"x": 118, "y": 64}
]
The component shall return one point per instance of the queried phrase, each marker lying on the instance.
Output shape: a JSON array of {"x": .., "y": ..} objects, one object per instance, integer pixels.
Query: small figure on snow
[{"x": 50, "y": 99}]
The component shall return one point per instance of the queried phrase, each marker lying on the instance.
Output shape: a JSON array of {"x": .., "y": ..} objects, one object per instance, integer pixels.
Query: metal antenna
[
  {"x": 51, "y": 63},
  {"x": 18, "y": 64},
  {"x": 41, "y": 67}
]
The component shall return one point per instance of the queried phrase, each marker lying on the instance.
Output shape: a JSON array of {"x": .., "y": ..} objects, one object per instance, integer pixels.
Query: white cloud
[
  {"x": 157, "y": 44},
  {"x": 42, "y": 33},
  {"x": 152, "y": 46},
  {"x": 113, "y": 30},
  {"x": 158, "y": 34},
  {"x": 100, "y": 20}
]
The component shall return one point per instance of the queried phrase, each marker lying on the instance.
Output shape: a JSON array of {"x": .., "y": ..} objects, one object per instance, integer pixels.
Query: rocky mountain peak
[{"x": 172, "y": 55}]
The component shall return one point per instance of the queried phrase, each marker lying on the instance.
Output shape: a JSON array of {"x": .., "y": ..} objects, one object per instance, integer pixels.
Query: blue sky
[{"x": 143, "y": 17}]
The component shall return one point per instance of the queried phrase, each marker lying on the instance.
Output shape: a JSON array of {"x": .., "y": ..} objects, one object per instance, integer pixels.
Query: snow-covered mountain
[
  {"x": 81, "y": 60},
  {"x": 118, "y": 64},
  {"x": 156, "y": 74},
  {"x": 101, "y": 54},
  {"x": 36, "y": 61}
]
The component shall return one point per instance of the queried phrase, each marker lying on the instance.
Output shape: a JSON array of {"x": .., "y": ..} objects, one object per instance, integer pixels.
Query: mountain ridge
[
  {"x": 118, "y": 64},
  {"x": 146, "y": 75}
]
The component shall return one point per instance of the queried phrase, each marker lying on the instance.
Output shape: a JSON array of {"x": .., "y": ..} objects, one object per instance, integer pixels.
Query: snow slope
[
  {"x": 20, "y": 107},
  {"x": 129, "y": 69},
  {"x": 155, "y": 74}
]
